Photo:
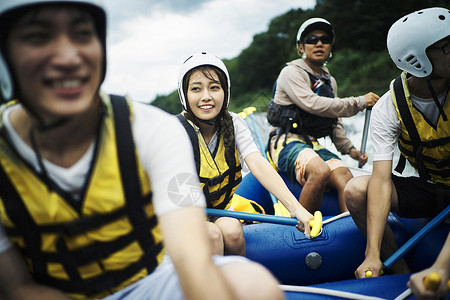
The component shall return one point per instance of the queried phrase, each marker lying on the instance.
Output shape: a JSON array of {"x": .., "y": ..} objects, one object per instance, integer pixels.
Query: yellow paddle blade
[
  {"x": 250, "y": 110},
  {"x": 241, "y": 204},
  {"x": 281, "y": 210},
  {"x": 316, "y": 224},
  {"x": 243, "y": 115}
]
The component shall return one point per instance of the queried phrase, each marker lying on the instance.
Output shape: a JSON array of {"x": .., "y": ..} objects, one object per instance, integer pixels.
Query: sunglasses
[
  {"x": 445, "y": 48},
  {"x": 314, "y": 39}
]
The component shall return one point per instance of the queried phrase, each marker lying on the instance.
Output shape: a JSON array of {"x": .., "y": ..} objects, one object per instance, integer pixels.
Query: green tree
[
  {"x": 360, "y": 61},
  {"x": 169, "y": 103}
]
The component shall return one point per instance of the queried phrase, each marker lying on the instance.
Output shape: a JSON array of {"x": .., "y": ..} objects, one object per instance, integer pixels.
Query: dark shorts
[
  {"x": 420, "y": 199},
  {"x": 288, "y": 157}
]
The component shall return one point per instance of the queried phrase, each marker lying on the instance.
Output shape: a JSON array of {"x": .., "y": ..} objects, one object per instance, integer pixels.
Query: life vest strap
[
  {"x": 211, "y": 197},
  {"x": 411, "y": 128},
  {"x": 194, "y": 140},
  {"x": 18, "y": 214},
  {"x": 128, "y": 169},
  {"x": 105, "y": 281},
  {"x": 439, "y": 163}
]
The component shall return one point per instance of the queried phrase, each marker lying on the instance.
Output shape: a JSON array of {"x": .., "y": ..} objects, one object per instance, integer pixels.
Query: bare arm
[
  {"x": 378, "y": 206},
  {"x": 16, "y": 282},
  {"x": 269, "y": 178},
  {"x": 185, "y": 236}
]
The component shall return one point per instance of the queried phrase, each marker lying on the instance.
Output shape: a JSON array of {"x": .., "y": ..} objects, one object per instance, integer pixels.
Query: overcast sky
[{"x": 149, "y": 39}]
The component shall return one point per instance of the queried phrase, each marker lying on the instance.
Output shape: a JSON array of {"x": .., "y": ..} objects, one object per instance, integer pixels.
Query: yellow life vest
[
  {"x": 218, "y": 180},
  {"x": 426, "y": 147},
  {"x": 100, "y": 244},
  {"x": 239, "y": 203}
]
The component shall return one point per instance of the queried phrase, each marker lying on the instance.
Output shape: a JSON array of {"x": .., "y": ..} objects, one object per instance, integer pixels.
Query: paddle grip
[
  {"x": 433, "y": 280},
  {"x": 316, "y": 224}
]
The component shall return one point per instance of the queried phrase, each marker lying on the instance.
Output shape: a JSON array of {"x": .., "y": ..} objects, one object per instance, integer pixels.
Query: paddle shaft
[
  {"x": 251, "y": 216},
  {"x": 417, "y": 237},
  {"x": 365, "y": 132}
]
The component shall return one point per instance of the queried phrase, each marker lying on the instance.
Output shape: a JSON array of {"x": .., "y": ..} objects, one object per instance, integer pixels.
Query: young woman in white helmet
[
  {"x": 89, "y": 195},
  {"x": 222, "y": 141},
  {"x": 305, "y": 107},
  {"x": 413, "y": 115}
]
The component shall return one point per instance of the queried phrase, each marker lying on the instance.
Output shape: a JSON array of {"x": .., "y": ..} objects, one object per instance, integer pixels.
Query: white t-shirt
[
  {"x": 164, "y": 150},
  {"x": 385, "y": 125}
]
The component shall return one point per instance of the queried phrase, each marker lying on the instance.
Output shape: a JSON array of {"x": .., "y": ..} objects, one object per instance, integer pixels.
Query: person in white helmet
[
  {"x": 94, "y": 187},
  {"x": 413, "y": 114},
  {"x": 304, "y": 108},
  {"x": 221, "y": 141}
]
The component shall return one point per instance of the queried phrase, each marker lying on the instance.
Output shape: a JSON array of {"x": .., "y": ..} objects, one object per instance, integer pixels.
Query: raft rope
[
  {"x": 342, "y": 215},
  {"x": 404, "y": 295},
  {"x": 327, "y": 292}
]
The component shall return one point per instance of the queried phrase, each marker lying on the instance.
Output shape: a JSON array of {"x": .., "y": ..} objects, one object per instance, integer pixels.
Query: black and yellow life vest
[
  {"x": 427, "y": 147},
  {"x": 218, "y": 180},
  {"x": 96, "y": 246},
  {"x": 291, "y": 118}
]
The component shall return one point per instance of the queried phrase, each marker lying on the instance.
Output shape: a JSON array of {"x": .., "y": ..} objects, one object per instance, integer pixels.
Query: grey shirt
[{"x": 294, "y": 87}]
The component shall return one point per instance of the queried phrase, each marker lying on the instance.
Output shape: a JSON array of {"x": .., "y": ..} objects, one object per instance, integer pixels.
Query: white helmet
[
  {"x": 196, "y": 60},
  {"x": 411, "y": 35},
  {"x": 313, "y": 24},
  {"x": 7, "y": 86}
]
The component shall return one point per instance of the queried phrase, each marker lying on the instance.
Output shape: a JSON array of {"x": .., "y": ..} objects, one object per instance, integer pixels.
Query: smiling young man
[
  {"x": 413, "y": 115},
  {"x": 89, "y": 199},
  {"x": 306, "y": 94}
]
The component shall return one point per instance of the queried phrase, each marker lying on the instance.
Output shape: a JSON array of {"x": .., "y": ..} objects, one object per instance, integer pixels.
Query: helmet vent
[
  {"x": 405, "y": 19},
  {"x": 441, "y": 17},
  {"x": 413, "y": 61}
]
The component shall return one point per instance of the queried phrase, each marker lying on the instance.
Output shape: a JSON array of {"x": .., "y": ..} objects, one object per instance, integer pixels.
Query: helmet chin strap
[
  {"x": 41, "y": 127},
  {"x": 46, "y": 127},
  {"x": 435, "y": 98}
]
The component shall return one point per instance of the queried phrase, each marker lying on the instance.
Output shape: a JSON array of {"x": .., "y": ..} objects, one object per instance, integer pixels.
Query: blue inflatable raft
[
  {"x": 250, "y": 188},
  {"x": 384, "y": 287},
  {"x": 336, "y": 253}
]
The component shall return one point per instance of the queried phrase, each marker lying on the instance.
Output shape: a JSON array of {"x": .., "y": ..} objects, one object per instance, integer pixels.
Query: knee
[
  {"x": 345, "y": 174},
  {"x": 340, "y": 177},
  {"x": 355, "y": 193},
  {"x": 215, "y": 235},
  {"x": 233, "y": 237},
  {"x": 319, "y": 175}
]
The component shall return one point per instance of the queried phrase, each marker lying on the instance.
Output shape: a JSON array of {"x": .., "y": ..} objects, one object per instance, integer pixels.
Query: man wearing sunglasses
[{"x": 304, "y": 108}]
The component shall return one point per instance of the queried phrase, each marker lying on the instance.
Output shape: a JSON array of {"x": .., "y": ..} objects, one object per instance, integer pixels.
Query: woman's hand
[{"x": 303, "y": 216}]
